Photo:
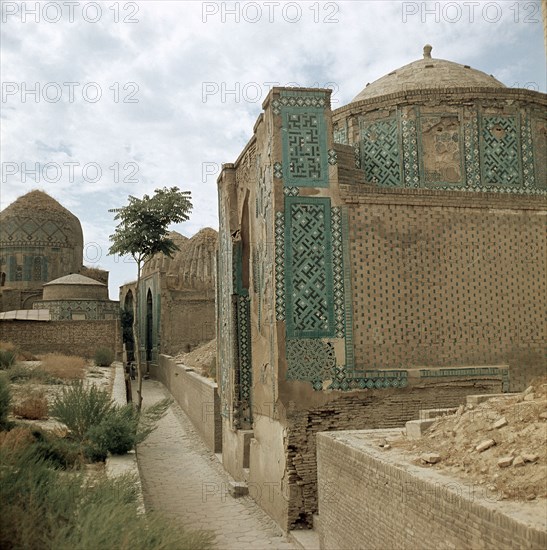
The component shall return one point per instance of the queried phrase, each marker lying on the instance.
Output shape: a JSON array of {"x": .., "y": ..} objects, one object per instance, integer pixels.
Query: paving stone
[{"x": 181, "y": 478}]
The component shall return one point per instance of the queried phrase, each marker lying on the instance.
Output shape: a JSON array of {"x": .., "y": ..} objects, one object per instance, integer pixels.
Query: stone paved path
[{"x": 182, "y": 478}]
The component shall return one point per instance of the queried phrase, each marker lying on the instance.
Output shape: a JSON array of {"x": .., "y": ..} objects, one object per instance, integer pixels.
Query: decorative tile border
[
  {"x": 338, "y": 271},
  {"x": 363, "y": 380},
  {"x": 280, "y": 266},
  {"x": 464, "y": 372},
  {"x": 244, "y": 347},
  {"x": 291, "y": 191},
  {"x": 299, "y": 99}
]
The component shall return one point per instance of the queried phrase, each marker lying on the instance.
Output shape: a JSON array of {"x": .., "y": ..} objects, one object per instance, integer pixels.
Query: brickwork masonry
[
  {"x": 81, "y": 338},
  {"x": 371, "y": 499}
]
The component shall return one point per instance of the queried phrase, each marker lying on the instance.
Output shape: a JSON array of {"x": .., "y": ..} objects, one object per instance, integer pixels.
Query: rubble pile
[{"x": 500, "y": 443}]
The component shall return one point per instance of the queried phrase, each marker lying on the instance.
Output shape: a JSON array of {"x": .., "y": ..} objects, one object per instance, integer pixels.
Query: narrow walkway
[{"x": 182, "y": 478}]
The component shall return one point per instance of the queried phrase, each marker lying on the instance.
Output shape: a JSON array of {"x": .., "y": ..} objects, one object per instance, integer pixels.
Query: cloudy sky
[{"x": 108, "y": 99}]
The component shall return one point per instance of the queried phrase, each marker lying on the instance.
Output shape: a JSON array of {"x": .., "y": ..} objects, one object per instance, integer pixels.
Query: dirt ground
[
  {"x": 202, "y": 359},
  {"x": 500, "y": 443},
  {"x": 103, "y": 377}
]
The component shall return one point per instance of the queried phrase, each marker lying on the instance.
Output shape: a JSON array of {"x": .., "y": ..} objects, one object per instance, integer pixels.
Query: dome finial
[{"x": 427, "y": 51}]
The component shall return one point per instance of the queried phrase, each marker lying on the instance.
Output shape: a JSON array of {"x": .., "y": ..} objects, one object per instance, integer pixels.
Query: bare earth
[{"x": 514, "y": 465}]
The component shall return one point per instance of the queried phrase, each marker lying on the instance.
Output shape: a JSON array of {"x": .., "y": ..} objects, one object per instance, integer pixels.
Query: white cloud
[{"x": 171, "y": 53}]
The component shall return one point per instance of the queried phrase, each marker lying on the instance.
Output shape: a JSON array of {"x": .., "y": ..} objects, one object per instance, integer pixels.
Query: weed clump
[{"x": 104, "y": 357}]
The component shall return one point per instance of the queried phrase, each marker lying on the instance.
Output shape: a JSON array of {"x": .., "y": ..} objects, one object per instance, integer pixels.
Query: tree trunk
[{"x": 136, "y": 337}]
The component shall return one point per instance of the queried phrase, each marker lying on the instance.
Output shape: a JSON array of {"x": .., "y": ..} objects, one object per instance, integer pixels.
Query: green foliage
[
  {"x": 116, "y": 433},
  {"x": 7, "y": 358},
  {"x": 99, "y": 425},
  {"x": 142, "y": 230},
  {"x": 22, "y": 373},
  {"x": 45, "y": 509},
  {"x": 104, "y": 357},
  {"x": 80, "y": 408},
  {"x": 58, "y": 451},
  {"x": 126, "y": 319},
  {"x": 5, "y": 400}
]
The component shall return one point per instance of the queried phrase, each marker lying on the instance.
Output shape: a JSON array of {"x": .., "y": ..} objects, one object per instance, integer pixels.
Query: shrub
[
  {"x": 80, "y": 408},
  {"x": 58, "y": 451},
  {"x": 22, "y": 373},
  {"x": 117, "y": 432},
  {"x": 5, "y": 400},
  {"x": 7, "y": 358},
  {"x": 16, "y": 440},
  {"x": 122, "y": 428},
  {"x": 39, "y": 512},
  {"x": 67, "y": 367},
  {"x": 34, "y": 407},
  {"x": 104, "y": 357}
]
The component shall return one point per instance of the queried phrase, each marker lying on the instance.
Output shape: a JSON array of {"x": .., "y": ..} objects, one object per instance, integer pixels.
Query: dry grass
[
  {"x": 8, "y": 346},
  {"x": 34, "y": 407},
  {"x": 21, "y": 355},
  {"x": 67, "y": 367},
  {"x": 17, "y": 439}
]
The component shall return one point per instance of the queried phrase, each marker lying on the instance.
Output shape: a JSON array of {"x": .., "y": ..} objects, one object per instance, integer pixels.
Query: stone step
[
  {"x": 305, "y": 539},
  {"x": 415, "y": 429}
]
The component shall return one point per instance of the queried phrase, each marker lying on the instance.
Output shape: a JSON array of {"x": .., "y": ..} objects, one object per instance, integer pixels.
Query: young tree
[{"x": 141, "y": 233}]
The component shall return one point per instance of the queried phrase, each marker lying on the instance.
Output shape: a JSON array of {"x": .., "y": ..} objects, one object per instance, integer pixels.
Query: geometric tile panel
[
  {"x": 24, "y": 231},
  {"x": 380, "y": 153},
  {"x": 305, "y": 154},
  {"x": 310, "y": 359},
  {"x": 341, "y": 135},
  {"x": 500, "y": 143},
  {"x": 308, "y": 267}
]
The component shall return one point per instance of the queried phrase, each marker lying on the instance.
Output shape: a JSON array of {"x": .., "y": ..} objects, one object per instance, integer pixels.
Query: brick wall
[
  {"x": 197, "y": 396},
  {"x": 372, "y": 500},
  {"x": 448, "y": 285},
  {"x": 71, "y": 338},
  {"x": 370, "y": 410}
]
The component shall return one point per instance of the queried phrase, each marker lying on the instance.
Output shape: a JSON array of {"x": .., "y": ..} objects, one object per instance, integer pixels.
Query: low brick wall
[
  {"x": 197, "y": 397},
  {"x": 369, "y": 498},
  {"x": 69, "y": 337}
]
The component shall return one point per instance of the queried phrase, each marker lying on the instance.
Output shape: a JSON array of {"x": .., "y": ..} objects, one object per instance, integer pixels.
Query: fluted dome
[
  {"x": 193, "y": 265},
  {"x": 428, "y": 73},
  {"x": 36, "y": 219}
]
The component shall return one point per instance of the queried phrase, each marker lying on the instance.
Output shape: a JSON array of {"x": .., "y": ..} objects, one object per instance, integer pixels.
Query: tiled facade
[{"x": 394, "y": 247}]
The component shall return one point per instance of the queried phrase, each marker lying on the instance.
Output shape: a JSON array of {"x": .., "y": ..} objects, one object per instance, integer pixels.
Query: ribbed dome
[
  {"x": 428, "y": 73},
  {"x": 193, "y": 265},
  {"x": 38, "y": 219}
]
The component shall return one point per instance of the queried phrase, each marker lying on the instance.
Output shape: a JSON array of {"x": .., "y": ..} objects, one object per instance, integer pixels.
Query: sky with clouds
[{"x": 109, "y": 99}]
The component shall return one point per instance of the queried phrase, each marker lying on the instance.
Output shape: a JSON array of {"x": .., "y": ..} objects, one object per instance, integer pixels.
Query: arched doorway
[
  {"x": 127, "y": 316},
  {"x": 149, "y": 325}
]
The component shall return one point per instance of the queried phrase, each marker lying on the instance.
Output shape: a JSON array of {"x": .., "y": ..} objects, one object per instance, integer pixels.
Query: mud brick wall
[
  {"x": 370, "y": 410},
  {"x": 372, "y": 500},
  {"x": 81, "y": 338},
  {"x": 446, "y": 280},
  {"x": 197, "y": 396}
]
